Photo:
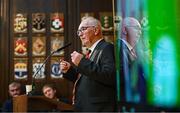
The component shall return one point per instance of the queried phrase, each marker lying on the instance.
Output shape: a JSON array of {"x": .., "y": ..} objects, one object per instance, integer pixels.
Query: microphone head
[{"x": 67, "y": 45}]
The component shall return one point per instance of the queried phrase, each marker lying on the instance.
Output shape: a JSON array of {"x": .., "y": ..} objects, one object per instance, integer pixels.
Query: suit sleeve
[
  {"x": 71, "y": 74},
  {"x": 101, "y": 70}
]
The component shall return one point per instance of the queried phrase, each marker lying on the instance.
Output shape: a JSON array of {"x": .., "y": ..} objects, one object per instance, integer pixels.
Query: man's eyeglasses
[
  {"x": 83, "y": 29},
  {"x": 135, "y": 27}
]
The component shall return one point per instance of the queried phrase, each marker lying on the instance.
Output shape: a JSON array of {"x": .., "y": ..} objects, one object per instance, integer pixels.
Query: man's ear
[
  {"x": 96, "y": 31},
  {"x": 124, "y": 32}
]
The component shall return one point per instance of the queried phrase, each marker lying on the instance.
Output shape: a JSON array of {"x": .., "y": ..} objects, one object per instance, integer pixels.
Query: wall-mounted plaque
[
  {"x": 37, "y": 63},
  {"x": 55, "y": 68},
  {"x": 20, "y": 68},
  {"x": 20, "y": 23},
  {"x": 20, "y": 46},
  {"x": 38, "y": 46},
  {"x": 106, "y": 19},
  {"x": 57, "y": 22},
  {"x": 56, "y": 43},
  {"x": 145, "y": 23},
  {"x": 38, "y": 23},
  {"x": 117, "y": 22}
]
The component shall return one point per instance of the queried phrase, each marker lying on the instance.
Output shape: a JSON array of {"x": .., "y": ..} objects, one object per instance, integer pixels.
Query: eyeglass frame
[
  {"x": 136, "y": 27},
  {"x": 83, "y": 29}
]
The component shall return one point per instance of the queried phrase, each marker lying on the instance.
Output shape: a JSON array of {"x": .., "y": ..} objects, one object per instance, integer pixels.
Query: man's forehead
[
  {"x": 129, "y": 21},
  {"x": 83, "y": 24},
  {"x": 13, "y": 86},
  {"x": 47, "y": 88}
]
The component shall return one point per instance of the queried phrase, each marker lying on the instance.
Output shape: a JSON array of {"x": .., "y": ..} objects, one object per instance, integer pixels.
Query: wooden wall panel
[{"x": 4, "y": 49}]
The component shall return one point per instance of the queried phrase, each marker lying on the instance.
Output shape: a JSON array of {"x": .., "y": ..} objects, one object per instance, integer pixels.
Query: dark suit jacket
[
  {"x": 8, "y": 106},
  {"x": 96, "y": 87},
  {"x": 132, "y": 80}
]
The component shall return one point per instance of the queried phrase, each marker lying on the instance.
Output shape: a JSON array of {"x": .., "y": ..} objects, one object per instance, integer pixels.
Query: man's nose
[{"x": 80, "y": 33}]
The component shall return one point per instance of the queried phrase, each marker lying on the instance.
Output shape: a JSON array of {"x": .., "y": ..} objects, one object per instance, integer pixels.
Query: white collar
[
  {"x": 130, "y": 48},
  {"x": 127, "y": 44},
  {"x": 94, "y": 45}
]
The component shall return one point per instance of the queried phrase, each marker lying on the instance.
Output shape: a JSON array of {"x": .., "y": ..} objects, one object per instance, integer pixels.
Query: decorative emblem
[
  {"x": 20, "y": 23},
  {"x": 145, "y": 23},
  {"x": 38, "y": 46},
  {"x": 117, "y": 23},
  {"x": 55, "y": 70},
  {"x": 56, "y": 43},
  {"x": 106, "y": 21},
  {"x": 37, "y": 63},
  {"x": 20, "y": 70},
  {"x": 57, "y": 22},
  {"x": 38, "y": 22},
  {"x": 20, "y": 46}
]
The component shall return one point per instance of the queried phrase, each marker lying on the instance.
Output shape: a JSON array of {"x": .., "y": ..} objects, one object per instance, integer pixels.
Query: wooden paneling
[
  {"x": 25, "y": 103},
  {"x": 4, "y": 49}
]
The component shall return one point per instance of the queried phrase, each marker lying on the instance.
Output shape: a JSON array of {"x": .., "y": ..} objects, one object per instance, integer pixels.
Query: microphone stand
[{"x": 33, "y": 92}]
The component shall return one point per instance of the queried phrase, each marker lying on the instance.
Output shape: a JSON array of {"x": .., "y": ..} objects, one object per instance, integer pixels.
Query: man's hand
[
  {"x": 76, "y": 57},
  {"x": 64, "y": 66}
]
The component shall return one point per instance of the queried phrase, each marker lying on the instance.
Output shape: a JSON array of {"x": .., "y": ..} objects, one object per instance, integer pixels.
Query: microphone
[
  {"x": 45, "y": 61},
  {"x": 58, "y": 50}
]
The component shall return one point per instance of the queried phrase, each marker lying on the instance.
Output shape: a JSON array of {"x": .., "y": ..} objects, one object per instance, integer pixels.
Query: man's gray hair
[
  {"x": 91, "y": 21},
  {"x": 130, "y": 21}
]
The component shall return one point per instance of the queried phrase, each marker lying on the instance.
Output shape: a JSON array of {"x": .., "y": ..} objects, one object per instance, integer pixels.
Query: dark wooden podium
[{"x": 26, "y": 103}]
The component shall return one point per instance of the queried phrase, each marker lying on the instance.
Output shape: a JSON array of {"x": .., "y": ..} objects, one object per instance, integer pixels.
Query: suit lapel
[
  {"x": 94, "y": 55},
  {"x": 127, "y": 53},
  {"x": 96, "y": 50}
]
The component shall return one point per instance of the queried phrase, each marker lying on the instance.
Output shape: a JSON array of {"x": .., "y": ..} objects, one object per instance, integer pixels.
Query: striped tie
[{"x": 88, "y": 52}]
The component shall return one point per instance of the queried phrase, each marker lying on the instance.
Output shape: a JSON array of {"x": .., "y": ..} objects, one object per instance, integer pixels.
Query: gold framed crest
[
  {"x": 106, "y": 19},
  {"x": 20, "y": 68},
  {"x": 38, "y": 23},
  {"x": 117, "y": 22},
  {"x": 37, "y": 63},
  {"x": 20, "y": 23},
  {"x": 57, "y": 42},
  {"x": 55, "y": 68},
  {"x": 39, "y": 46},
  {"x": 20, "y": 46},
  {"x": 145, "y": 23},
  {"x": 57, "y": 22}
]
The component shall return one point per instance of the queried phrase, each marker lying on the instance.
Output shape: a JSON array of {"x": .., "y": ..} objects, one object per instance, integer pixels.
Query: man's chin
[
  {"x": 83, "y": 45},
  {"x": 15, "y": 95}
]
